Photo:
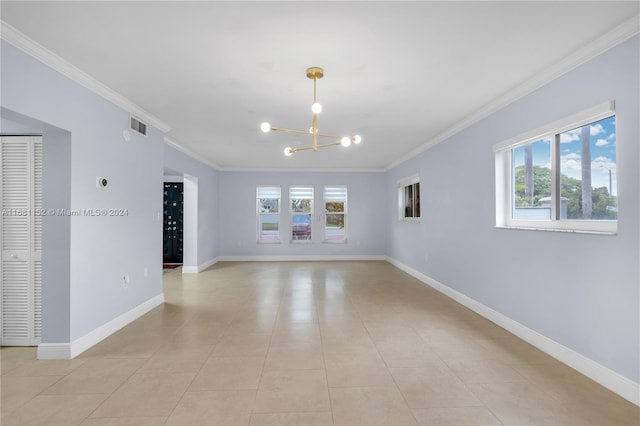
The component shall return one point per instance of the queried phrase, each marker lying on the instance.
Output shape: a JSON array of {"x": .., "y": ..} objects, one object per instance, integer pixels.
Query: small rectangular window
[
  {"x": 561, "y": 176},
  {"x": 301, "y": 202},
  {"x": 335, "y": 213},
  {"x": 409, "y": 199},
  {"x": 268, "y": 213}
]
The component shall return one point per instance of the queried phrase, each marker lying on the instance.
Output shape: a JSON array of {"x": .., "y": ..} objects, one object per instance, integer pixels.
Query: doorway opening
[{"x": 173, "y": 225}]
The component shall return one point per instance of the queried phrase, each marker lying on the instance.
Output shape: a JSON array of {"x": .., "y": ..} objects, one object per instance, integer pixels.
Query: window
[
  {"x": 335, "y": 213},
  {"x": 409, "y": 199},
  {"x": 562, "y": 176},
  {"x": 301, "y": 201},
  {"x": 268, "y": 212}
]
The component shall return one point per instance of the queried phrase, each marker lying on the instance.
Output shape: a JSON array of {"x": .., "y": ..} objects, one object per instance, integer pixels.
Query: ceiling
[{"x": 400, "y": 74}]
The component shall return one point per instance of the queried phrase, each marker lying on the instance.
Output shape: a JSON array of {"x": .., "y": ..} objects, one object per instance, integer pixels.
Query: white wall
[
  {"x": 579, "y": 290},
  {"x": 366, "y": 232},
  {"x": 101, "y": 250}
]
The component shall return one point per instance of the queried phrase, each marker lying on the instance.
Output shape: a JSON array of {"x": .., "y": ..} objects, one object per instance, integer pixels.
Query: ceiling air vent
[{"x": 137, "y": 126}]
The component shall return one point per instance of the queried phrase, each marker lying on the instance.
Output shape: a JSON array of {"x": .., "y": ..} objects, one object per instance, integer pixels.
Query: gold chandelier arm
[
  {"x": 326, "y": 135},
  {"x": 280, "y": 129},
  {"x": 314, "y": 130},
  {"x": 324, "y": 145}
]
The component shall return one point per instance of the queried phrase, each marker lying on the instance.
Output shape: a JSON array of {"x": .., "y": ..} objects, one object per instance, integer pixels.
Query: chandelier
[{"x": 314, "y": 73}]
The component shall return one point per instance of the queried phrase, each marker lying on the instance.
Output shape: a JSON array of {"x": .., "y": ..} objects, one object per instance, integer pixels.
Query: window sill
[
  {"x": 334, "y": 241},
  {"x": 569, "y": 231},
  {"x": 269, "y": 242},
  {"x": 411, "y": 220}
]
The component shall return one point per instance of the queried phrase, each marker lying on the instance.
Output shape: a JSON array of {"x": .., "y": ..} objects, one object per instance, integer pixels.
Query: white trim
[
  {"x": 75, "y": 348},
  {"x": 54, "y": 351},
  {"x": 50, "y": 59},
  {"x": 312, "y": 258},
  {"x": 573, "y": 121},
  {"x": 175, "y": 145},
  {"x": 201, "y": 267},
  {"x": 600, "y": 45},
  {"x": 297, "y": 170},
  {"x": 608, "y": 378}
]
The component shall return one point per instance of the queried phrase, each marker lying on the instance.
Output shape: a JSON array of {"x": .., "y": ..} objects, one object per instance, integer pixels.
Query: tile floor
[{"x": 319, "y": 343}]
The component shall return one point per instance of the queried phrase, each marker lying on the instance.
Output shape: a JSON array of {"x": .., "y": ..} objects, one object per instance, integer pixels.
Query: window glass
[
  {"x": 268, "y": 212},
  {"x": 301, "y": 198},
  {"x": 588, "y": 172},
  {"x": 531, "y": 171},
  {"x": 335, "y": 202}
]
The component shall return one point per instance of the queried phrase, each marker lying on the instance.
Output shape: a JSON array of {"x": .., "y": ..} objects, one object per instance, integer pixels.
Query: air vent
[{"x": 138, "y": 126}]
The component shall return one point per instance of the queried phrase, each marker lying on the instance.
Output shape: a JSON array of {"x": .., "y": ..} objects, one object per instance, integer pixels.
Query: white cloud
[
  {"x": 600, "y": 169},
  {"x": 596, "y": 129},
  {"x": 570, "y": 136},
  {"x": 572, "y": 156},
  {"x": 611, "y": 137},
  {"x": 602, "y": 142}
]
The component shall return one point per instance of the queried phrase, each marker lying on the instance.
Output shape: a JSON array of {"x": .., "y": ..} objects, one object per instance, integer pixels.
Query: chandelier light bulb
[
  {"x": 288, "y": 151},
  {"x": 345, "y": 141},
  {"x": 316, "y": 108},
  {"x": 265, "y": 127},
  {"x": 357, "y": 139}
]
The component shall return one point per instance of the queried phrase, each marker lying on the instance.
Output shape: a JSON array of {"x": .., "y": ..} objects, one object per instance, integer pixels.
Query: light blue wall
[
  {"x": 101, "y": 249},
  {"x": 579, "y": 290},
  {"x": 178, "y": 163},
  {"x": 366, "y": 233}
]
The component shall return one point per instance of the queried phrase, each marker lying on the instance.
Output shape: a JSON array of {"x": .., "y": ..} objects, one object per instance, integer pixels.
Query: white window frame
[
  {"x": 310, "y": 213},
  {"x": 326, "y": 200},
  {"x": 504, "y": 178},
  {"x": 260, "y": 213},
  {"x": 402, "y": 184}
]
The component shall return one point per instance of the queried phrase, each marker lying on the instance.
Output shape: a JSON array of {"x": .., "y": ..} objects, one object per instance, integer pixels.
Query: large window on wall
[
  {"x": 301, "y": 202},
  {"x": 268, "y": 213},
  {"x": 409, "y": 199},
  {"x": 335, "y": 213},
  {"x": 562, "y": 176}
]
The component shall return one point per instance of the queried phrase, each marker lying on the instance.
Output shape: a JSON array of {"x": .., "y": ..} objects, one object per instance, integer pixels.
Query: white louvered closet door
[{"x": 21, "y": 240}]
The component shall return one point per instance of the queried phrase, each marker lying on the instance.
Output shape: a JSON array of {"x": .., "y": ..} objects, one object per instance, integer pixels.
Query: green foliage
[
  {"x": 301, "y": 205},
  {"x": 541, "y": 186},
  {"x": 570, "y": 189},
  {"x": 335, "y": 220}
]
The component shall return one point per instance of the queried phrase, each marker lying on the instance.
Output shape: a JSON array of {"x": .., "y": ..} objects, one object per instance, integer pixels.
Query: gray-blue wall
[
  {"x": 366, "y": 232},
  {"x": 101, "y": 250},
  {"x": 577, "y": 289}
]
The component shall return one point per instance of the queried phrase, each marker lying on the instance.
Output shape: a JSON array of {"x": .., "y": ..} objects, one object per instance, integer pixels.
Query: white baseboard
[
  {"x": 313, "y": 258},
  {"x": 54, "y": 351},
  {"x": 608, "y": 378},
  {"x": 199, "y": 268},
  {"x": 75, "y": 348}
]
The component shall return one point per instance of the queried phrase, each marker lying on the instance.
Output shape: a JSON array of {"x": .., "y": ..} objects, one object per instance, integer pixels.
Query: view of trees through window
[
  {"x": 335, "y": 203},
  {"x": 587, "y": 170},
  {"x": 268, "y": 213}
]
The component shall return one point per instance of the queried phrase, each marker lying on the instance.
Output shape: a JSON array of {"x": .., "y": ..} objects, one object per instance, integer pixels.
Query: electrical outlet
[{"x": 125, "y": 281}]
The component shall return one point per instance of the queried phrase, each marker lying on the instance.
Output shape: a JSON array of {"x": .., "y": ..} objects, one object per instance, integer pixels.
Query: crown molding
[
  {"x": 175, "y": 145},
  {"x": 297, "y": 170},
  {"x": 619, "y": 34},
  {"x": 19, "y": 40}
]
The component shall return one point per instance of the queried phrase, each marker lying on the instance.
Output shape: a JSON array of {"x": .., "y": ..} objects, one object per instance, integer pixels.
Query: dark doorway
[{"x": 173, "y": 239}]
